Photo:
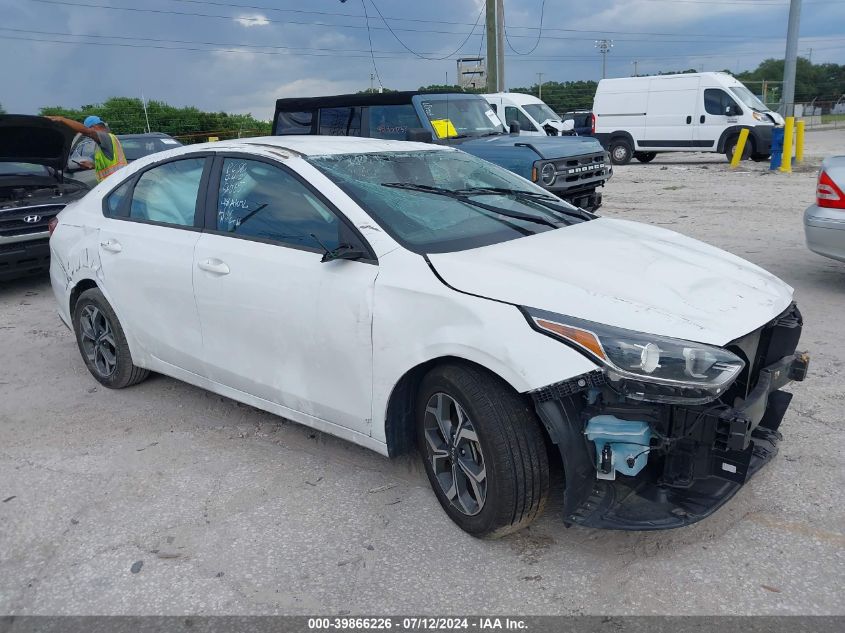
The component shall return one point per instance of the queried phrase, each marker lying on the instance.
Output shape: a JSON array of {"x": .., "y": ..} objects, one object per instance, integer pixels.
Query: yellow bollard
[
  {"x": 740, "y": 147},
  {"x": 799, "y": 141},
  {"x": 786, "y": 163}
]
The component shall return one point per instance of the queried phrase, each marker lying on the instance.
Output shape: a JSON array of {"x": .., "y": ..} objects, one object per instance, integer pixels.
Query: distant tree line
[{"x": 125, "y": 115}]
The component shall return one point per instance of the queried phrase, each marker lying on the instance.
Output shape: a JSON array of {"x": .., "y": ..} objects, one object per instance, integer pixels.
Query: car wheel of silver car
[
  {"x": 102, "y": 342},
  {"x": 484, "y": 450}
]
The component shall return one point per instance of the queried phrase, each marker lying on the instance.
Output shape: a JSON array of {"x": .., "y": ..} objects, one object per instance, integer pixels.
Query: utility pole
[
  {"x": 540, "y": 86},
  {"x": 635, "y": 62},
  {"x": 495, "y": 46},
  {"x": 372, "y": 79},
  {"x": 604, "y": 46},
  {"x": 791, "y": 60}
]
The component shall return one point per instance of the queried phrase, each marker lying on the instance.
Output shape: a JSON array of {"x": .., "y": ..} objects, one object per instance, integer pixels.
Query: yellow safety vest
[{"x": 105, "y": 167}]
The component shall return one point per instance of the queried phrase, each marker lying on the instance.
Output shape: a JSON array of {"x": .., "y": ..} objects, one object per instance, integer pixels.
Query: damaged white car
[{"x": 402, "y": 295}]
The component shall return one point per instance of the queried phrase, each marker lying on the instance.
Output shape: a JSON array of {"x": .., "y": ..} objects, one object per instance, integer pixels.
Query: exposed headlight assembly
[
  {"x": 645, "y": 366},
  {"x": 548, "y": 173}
]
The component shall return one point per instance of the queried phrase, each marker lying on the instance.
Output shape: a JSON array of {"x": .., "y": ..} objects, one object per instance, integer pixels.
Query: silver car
[{"x": 824, "y": 221}]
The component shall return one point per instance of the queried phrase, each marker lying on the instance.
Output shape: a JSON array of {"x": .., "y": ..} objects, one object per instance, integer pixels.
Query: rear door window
[
  {"x": 167, "y": 194},
  {"x": 340, "y": 121},
  {"x": 294, "y": 122},
  {"x": 392, "y": 121}
]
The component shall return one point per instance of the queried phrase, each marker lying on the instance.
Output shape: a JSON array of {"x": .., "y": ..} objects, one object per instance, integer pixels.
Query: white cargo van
[
  {"x": 637, "y": 117},
  {"x": 535, "y": 118}
]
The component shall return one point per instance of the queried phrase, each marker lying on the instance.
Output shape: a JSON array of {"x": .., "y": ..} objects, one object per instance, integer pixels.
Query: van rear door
[{"x": 670, "y": 114}]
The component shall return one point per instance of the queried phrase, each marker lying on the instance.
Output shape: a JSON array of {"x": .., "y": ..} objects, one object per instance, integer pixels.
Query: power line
[
  {"x": 413, "y": 52},
  {"x": 370, "y": 39},
  {"x": 412, "y": 30},
  {"x": 539, "y": 33}
]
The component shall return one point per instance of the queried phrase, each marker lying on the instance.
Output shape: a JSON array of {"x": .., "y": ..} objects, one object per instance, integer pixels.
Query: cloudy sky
[{"x": 240, "y": 56}]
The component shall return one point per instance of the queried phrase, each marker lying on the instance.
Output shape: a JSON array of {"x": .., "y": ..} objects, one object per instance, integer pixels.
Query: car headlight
[
  {"x": 548, "y": 174},
  {"x": 646, "y": 366}
]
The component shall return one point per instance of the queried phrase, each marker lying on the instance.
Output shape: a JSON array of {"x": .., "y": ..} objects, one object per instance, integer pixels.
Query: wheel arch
[
  {"x": 400, "y": 422},
  {"x": 732, "y": 131},
  {"x": 81, "y": 286}
]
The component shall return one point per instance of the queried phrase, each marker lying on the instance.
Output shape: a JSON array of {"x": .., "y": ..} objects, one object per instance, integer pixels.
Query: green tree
[
  {"x": 2, "y": 109},
  {"x": 564, "y": 96},
  {"x": 125, "y": 115}
]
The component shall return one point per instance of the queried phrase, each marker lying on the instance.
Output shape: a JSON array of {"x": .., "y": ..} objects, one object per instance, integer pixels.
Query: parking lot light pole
[{"x": 604, "y": 46}]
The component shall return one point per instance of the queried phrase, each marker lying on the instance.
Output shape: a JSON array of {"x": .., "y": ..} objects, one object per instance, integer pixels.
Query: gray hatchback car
[{"x": 824, "y": 221}]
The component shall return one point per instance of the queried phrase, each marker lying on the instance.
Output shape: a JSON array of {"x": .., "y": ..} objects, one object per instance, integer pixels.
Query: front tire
[
  {"x": 730, "y": 148},
  {"x": 484, "y": 451},
  {"x": 102, "y": 342},
  {"x": 621, "y": 151}
]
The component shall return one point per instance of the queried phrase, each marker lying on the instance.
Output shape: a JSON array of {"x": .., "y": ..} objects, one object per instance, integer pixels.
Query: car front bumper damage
[{"x": 698, "y": 456}]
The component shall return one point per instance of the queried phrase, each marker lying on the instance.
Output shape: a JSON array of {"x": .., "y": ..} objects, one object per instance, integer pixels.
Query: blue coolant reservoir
[{"x": 623, "y": 440}]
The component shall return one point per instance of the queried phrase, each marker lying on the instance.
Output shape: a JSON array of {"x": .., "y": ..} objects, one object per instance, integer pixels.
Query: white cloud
[{"x": 252, "y": 20}]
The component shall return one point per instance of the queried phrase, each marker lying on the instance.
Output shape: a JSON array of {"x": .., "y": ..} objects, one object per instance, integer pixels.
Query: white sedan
[{"x": 400, "y": 294}]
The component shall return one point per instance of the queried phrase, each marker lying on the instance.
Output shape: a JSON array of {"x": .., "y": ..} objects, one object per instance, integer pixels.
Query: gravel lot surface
[{"x": 166, "y": 499}]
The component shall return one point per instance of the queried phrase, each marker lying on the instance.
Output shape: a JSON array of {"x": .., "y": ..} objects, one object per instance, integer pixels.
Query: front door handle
[
  {"x": 112, "y": 246},
  {"x": 689, "y": 120},
  {"x": 701, "y": 120},
  {"x": 214, "y": 266}
]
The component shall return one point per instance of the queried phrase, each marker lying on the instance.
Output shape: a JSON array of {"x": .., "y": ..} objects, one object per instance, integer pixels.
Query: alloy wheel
[
  {"x": 454, "y": 453},
  {"x": 98, "y": 341}
]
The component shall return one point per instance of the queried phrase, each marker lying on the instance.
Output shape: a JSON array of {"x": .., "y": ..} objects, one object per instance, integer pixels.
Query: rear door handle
[
  {"x": 112, "y": 246},
  {"x": 689, "y": 120},
  {"x": 214, "y": 266}
]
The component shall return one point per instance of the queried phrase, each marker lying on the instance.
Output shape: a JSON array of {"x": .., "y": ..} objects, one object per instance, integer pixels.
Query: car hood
[
  {"x": 625, "y": 274},
  {"x": 547, "y": 147},
  {"x": 34, "y": 139}
]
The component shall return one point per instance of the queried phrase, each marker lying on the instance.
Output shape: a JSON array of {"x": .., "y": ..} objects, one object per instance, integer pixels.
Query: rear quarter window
[{"x": 294, "y": 122}]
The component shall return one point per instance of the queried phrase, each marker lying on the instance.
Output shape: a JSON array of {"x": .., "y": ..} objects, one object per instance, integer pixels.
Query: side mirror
[
  {"x": 514, "y": 128},
  {"x": 419, "y": 135}
]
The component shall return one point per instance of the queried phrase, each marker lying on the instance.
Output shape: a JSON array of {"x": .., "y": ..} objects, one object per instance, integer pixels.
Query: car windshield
[
  {"x": 461, "y": 117},
  {"x": 23, "y": 169},
  {"x": 441, "y": 201},
  {"x": 747, "y": 97},
  {"x": 138, "y": 147},
  {"x": 540, "y": 112}
]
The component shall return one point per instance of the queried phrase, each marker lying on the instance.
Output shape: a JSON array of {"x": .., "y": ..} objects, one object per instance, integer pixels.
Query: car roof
[
  {"x": 519, "y": 98},
  {"x": 313, "y": 145},
  {"x": 145, "y": 135}
]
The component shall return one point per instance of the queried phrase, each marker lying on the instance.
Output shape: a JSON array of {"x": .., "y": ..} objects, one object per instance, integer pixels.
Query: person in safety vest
[{"x": 109, "y": 156}]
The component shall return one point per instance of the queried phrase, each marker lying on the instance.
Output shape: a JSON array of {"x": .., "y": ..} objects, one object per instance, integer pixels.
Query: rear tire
[
  {"x": 620, "y": 151},
  {"x": 102, "y": 342},
  {"x": 484, "y": 450},
  {"x": 645, "y": 157},
  {"x": 760, "y": 158}
]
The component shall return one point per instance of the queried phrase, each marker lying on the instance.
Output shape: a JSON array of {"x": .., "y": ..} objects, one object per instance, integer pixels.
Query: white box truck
[
  {"x": 637, "y": 117},
  {"x": 534, "y": 117}
]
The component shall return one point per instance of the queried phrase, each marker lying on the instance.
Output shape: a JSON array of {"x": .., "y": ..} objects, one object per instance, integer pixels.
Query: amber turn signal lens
[{"x": 585, "y": 339}]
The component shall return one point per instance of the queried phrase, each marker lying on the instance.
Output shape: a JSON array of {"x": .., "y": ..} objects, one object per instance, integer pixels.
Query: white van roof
[
  {"x": 720, "y": 77},
  {"x": 518, "y": 98}
]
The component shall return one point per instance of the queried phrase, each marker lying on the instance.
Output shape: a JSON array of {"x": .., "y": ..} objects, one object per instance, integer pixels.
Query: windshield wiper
[
  {"x": 548, "y": 200},
  {"x": 465, "y": 198}
]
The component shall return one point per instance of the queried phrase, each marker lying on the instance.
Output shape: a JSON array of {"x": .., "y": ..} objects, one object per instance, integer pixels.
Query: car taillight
[
  {"x": 592, "y": 123},
  {"x": 828, "y": 194},
  {"x": 52, "y": 224}
]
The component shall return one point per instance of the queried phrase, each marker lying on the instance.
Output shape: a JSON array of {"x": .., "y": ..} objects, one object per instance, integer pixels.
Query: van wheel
[
  {"x": 620, "y": 151},
  {"x": 730, "y": 148},
  {"x": 102, "y": 342},
  {"x": 645, "y": 157},
  {"x": 760, "y": 158},
  {"x": 484, "y": 451}
]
